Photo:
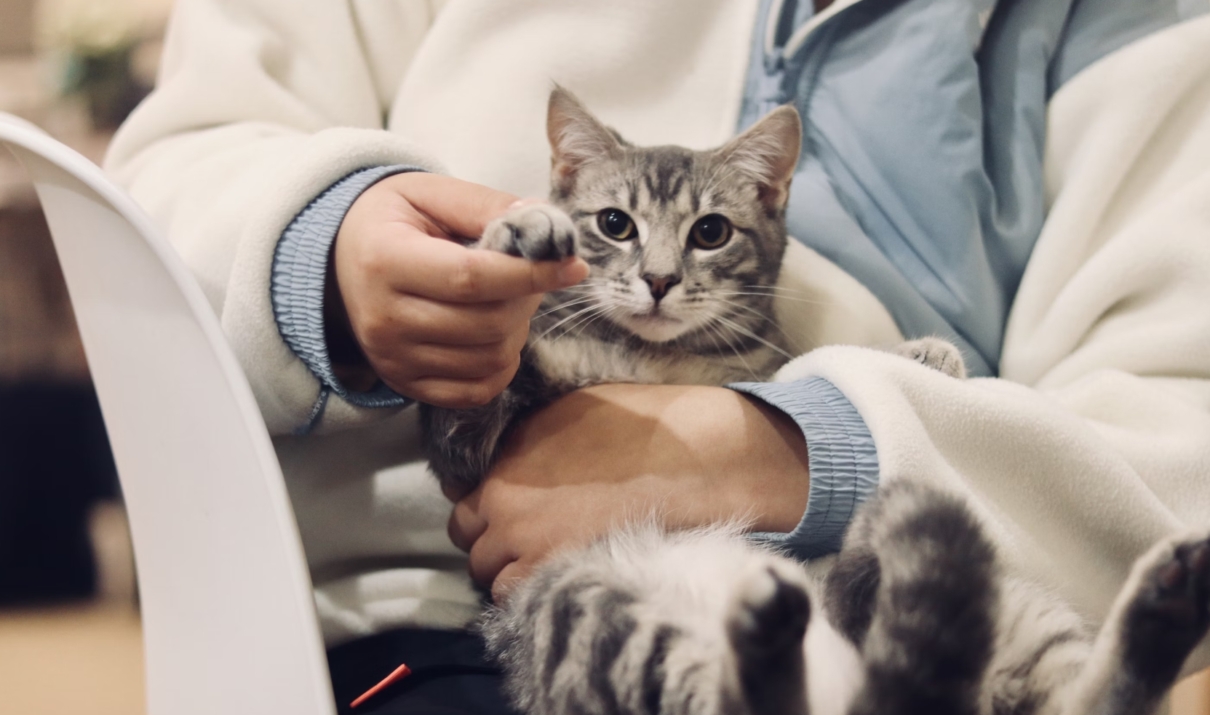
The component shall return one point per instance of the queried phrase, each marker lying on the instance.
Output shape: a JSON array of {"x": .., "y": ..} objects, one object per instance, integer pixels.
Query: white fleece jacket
[{"x": 1093, "y": 443}]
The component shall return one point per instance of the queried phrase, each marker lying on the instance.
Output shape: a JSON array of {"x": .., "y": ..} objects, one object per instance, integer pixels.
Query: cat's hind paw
[
  {"x": 940, "y": 355},
  {"x": 1169, "y": 613},
  {"x": 539, "y": 232}
]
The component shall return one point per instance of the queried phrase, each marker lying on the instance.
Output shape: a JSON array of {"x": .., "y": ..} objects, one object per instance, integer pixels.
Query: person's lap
[{"x": 450, "y": 674}]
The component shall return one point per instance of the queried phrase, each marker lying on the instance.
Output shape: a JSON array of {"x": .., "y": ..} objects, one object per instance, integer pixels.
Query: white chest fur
[{"x": 578, "y": 361}]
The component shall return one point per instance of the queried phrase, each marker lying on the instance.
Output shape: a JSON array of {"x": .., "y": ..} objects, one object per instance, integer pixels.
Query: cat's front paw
[
  {"x": 770, "y": 610},
  {"x": 766, "y": 625},
  {"x": 940, "y": 355},
  {"x": 539, "y": 232}
]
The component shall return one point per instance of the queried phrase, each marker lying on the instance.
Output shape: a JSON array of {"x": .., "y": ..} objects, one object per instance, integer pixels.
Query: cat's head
[{"x": 681, "y": 243}]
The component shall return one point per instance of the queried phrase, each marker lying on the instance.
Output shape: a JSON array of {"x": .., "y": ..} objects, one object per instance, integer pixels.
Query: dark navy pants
[{"x": 450, "y": 674}]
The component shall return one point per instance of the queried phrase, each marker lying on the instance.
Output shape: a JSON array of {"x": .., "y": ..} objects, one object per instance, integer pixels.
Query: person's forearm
[
  {"x": 744, "y": 459},
  {"x": 227, "y": 151},
  {"x": 609, "y": 455}
]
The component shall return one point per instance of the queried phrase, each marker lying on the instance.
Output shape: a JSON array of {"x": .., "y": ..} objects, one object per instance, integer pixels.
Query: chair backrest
[{"x": 228, "y": 614}]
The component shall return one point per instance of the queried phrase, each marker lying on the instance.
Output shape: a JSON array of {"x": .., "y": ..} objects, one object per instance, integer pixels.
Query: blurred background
[{"x": 69, "y": 627}]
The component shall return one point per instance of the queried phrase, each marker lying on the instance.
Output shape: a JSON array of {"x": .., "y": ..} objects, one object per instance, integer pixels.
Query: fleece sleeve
[
  {"x": 261, "y": 105},
  {"x": 300, "y": 271},
  {"x": 841, "y": 460},
  {"x": 1094, "y": 442}
]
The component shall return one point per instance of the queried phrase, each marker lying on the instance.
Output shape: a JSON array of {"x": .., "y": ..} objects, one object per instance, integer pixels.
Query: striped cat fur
[{"x": 917, "y": 615}]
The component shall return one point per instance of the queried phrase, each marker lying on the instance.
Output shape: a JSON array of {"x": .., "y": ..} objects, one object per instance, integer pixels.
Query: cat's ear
[
  {"x": 576, "y": 137},
  {"x": 767, "y": 154}
]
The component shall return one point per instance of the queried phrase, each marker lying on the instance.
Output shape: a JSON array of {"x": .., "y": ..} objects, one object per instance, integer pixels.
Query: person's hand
[
  {"x": 602, "y": 456},
  {"x": 434, "y": 320}
]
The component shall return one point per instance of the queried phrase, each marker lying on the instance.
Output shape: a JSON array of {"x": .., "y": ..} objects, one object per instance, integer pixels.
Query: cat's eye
[
  {"x": 711, "y": 232},
  {"x": 617, "y": 225}
]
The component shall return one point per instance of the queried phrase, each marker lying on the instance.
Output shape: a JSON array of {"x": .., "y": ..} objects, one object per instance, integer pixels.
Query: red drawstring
[{"x": 396, "y": 675}]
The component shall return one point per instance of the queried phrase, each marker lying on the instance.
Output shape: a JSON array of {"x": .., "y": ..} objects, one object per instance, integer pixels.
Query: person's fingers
[
  {"x": 466, "y": 525},
  {"x": 448, "y": 272},
  {"x": 461, "y": 207},
  {"x": 451, "y": 393},
  {"x": 463, "y": 363},
  {"x": 488, "y": 557},
  {"x": 507, "y": 580},
  {"x": 421, "y": 321}
]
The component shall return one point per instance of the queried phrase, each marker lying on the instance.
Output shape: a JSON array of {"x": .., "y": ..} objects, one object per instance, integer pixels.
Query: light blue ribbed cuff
[
  {"x": 300, "y": 267},
  {"x": 840, "y": 454}
]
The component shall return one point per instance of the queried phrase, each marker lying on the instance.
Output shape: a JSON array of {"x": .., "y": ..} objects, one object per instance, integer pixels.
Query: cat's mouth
[{"x": 656, "y": 326}]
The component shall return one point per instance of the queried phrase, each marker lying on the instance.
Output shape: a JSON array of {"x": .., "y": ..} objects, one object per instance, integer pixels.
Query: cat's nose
[{"x": 660, "y": 285}]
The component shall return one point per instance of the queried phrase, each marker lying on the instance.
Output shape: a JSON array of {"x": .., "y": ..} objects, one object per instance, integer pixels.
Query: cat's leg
[
  {"x": 1042, "y": 646},
  {"x": 462, "y": 444},
  {"x": 940, "y": 355},
  {"x": 1162, "y": 613},
  {"x": 539, "y": 232},
  {"x": 646, "y": 623},
  {"x": 851, "y": 592},
  {"x": 930, "y": 636}
]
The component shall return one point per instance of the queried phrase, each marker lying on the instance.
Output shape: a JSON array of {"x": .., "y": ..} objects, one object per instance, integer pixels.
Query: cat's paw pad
[
  {"x": 940, "y": 355},
  {"x": 539, "y": 232},
  {"x": 1170, "y": 610},
  {"x": 770, "y": 610},
  {"x": 1176, "y": 584}
]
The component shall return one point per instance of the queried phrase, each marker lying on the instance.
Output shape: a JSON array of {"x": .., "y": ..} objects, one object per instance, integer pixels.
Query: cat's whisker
[
  {"x": 708, "y": 332},
  {"x": 586, "y": 319},
  {"x": 738, "y": 354},
  {"x": 578, "y": 288},
  {"x": 604, "y": 306},
  {"x": 743, "y": 331},
  {"x": 574, "y": 315},
  {"x": 561, "y": 306},
  {"x": 793, "y": 343},
  {"x": 777, "y": 296},
  {"x": 773, "y": 287},
  {"x": 581, "y": 326},
  {"x": 789, "y": 339},
  {"x": 776, "y": 290},
  {"x": 747, "y": 308}
]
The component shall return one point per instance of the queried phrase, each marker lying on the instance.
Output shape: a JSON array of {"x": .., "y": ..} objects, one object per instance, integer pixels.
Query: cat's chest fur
[{"x": 570, "y": 362}]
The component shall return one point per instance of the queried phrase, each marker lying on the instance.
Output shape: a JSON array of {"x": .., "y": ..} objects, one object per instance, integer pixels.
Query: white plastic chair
[{"x": 229, "y": 621}]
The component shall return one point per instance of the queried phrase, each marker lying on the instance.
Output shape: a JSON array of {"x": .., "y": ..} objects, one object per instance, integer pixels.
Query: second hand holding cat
[
  {"x": 436, "y": 321},
  {"x": 685, "y": 455}
]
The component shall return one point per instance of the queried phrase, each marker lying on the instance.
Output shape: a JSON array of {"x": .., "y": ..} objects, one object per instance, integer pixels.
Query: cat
[
  {"x": 685, "y": 249},
  {"x": 917, "y": 616}
]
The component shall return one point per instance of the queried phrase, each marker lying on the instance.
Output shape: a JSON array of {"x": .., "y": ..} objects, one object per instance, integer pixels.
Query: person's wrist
[
  {"x": 779, "y": 474},
  {"x": 759, "y": 473},
  {"x": 349, "y": 363}
]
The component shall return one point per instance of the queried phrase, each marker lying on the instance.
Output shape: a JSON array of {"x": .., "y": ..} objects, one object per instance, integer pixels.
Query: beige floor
[
  {"x": 69, "y": 660},
  {"x": 88, "y": 659}
]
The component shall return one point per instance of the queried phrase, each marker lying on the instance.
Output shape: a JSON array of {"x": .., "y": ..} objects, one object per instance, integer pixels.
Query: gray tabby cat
[
  {"x": 917, "y": 616},
  {"x": 683, "y": 246},
  {"x": 685, "y": 249}
]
